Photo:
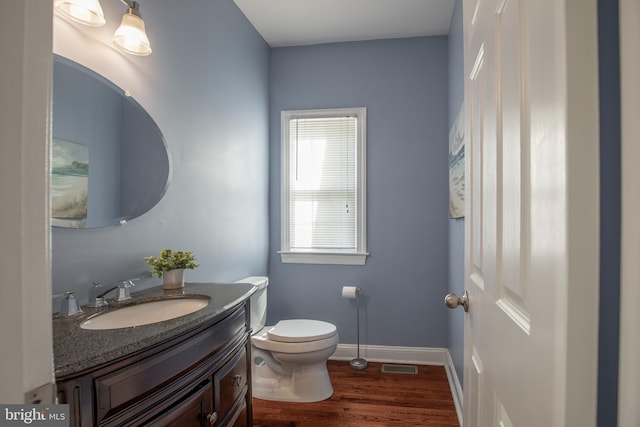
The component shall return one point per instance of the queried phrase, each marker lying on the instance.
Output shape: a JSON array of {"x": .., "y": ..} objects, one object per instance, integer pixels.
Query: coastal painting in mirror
[
  {"x": 456, "y": 167},
  {"x": 69, "y": 183}
]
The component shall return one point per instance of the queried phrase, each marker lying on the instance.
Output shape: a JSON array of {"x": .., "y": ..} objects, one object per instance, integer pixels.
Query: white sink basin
[{"x": 145, "y": 313}]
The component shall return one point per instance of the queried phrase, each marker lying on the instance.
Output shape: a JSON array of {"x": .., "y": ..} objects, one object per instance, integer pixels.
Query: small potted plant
[{"x": 170, "y": 265}]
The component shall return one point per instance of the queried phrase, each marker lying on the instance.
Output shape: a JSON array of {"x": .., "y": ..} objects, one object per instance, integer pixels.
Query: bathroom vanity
[{"x": 193, "y": 370}]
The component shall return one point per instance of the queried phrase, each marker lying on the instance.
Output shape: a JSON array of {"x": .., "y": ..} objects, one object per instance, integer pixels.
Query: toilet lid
[{"x": 301, "y": 330}]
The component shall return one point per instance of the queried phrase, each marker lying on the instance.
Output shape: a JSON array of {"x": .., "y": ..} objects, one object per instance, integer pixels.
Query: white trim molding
[
  {"x": 454, "y": 385},
  {"x": 629, "y": 371},
  {"x": 324, "y": 258},
  {"x": 408, "y": 355},
  {"x": 381, "y": 353}
]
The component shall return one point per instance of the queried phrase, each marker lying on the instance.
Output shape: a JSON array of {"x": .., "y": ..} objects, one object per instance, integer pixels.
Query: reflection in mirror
[{"x": 109, "y": 160}]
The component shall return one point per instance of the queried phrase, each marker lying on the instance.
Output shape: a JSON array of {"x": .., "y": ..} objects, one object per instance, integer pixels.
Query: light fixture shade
[
  {"x": 131, "y": 36},
  {"x": 87, "y": 12}
]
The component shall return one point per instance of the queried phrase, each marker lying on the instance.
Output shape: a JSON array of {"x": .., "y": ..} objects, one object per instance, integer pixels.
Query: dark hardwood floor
[{"x": 368, "y": 398}]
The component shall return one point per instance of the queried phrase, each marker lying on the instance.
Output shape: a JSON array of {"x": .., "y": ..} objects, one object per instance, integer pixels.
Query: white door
[
  {"x": 531, "y": 236},
  {"x": 26, "y": 370}
]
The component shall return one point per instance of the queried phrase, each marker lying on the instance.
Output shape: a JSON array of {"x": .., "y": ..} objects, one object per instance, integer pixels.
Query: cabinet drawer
[
  {"x": 145, "y": 383},
  {"x": 230, "y": 382}
]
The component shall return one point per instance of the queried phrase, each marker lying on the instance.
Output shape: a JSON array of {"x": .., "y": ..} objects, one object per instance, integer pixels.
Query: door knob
[{"x": 453, "y": 301}]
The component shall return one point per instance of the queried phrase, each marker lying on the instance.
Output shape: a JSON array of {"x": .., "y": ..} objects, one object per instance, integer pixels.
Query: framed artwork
[
  {"x": 456, "y": 166},
  {"x": 69, "y": 183}
]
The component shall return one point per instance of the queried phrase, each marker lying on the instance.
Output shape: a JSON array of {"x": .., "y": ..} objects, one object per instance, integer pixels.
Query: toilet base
[{"x": 305, "y": 384}]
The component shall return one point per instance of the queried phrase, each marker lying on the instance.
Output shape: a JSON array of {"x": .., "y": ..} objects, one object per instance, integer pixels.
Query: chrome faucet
[
  {"x": 123, "y": 294},
  {"x": 69, "y": 305}
]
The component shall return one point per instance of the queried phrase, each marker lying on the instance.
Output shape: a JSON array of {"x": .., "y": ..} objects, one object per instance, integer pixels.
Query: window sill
[{"x": 323, "y": 258}]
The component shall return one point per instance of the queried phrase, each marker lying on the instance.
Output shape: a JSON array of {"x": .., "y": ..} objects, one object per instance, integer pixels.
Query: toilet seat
[
  {"x": 301, "y": 330},
  {"x": 262, "y": 342},
  {"x": 296, "y": 336}
]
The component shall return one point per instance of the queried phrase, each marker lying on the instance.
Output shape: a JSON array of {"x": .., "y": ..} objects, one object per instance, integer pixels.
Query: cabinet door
[
  {"x": 230, "y": 384},
  {"x": 238, "y": 416},
  {"x": 241, "y": 421},
  {"x": 193, "y": 411}
]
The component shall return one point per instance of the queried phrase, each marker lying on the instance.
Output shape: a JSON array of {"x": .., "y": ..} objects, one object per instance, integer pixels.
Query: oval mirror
[{"x": 109, "y": 160}]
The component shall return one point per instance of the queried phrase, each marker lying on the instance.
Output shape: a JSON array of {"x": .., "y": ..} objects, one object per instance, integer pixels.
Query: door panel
[
  {"x": 503, "y": 417},
  {"x": 476, "y": 97},
  {"x": 473, "y": 381},
  {"x": 512, "y": 141}
]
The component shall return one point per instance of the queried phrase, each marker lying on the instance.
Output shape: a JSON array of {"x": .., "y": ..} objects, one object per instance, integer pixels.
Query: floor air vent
[{"x": 399, "y": 369}]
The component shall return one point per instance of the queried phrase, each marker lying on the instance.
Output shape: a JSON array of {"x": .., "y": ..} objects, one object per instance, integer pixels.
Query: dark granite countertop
[{"x": 76, "y": 350}]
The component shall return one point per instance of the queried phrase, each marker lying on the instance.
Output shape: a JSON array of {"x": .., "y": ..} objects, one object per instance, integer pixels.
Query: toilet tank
[{"x": 258, "y": 301}]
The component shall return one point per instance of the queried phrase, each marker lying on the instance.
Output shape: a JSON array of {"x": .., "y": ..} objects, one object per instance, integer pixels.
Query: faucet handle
[
  {"x": 127, "y": 283},
  {"x": 69, "y": 305},
  {"x": 123, "y": 290}
]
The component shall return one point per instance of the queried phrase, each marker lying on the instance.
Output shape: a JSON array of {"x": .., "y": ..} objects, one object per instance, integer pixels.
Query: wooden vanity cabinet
[{"x": 200, "y": 378}]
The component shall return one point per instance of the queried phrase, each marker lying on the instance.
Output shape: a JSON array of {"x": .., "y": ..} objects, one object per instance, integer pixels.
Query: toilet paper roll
[{"x": 350, "y": 292}]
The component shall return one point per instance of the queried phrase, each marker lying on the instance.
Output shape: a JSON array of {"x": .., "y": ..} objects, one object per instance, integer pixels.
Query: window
[{"x": 323, "y": 186}]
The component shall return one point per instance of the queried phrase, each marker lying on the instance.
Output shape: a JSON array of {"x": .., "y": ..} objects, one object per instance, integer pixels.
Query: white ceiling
[{"x": 304, "y": 22}]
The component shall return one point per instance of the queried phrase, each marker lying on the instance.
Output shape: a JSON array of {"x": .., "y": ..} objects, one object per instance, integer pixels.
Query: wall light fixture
[
  {"x": 87, "y": 12},
  {"x": 131, "y": 36}
]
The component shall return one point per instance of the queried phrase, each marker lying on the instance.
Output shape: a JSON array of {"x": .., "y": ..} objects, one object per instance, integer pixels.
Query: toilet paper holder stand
[{"x": 358, "y": 363}]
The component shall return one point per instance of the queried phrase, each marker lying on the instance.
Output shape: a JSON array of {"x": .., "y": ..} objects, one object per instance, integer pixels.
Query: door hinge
[{"x": 44, "y": 394}]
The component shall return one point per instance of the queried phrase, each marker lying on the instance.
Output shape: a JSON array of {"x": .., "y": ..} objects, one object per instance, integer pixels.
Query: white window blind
[
  {"x": 322, "y": 183},
  {"x": 323, "y": 187}
]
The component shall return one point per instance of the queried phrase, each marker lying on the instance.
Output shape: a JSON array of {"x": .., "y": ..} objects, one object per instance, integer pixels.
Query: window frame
[{"x": 359, "y": 255}]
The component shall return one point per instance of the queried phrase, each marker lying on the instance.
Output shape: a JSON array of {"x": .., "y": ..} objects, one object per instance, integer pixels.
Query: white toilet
[{"x": 289, "y": 360}]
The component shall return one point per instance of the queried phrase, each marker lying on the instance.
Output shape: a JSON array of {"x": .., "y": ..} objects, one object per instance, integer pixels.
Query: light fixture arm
[{"x": 134, "y": 7}]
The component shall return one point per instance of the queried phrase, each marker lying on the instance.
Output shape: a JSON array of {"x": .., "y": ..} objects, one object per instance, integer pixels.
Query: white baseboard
[
  {"x": 414, "y": 355},
  {"x": 454, "y": 385},
  {"x": 381, "y": 353}
]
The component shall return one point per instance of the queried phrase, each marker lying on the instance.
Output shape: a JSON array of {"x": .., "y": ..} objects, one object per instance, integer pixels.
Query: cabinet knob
[
  {"x": 212, "y": 418},
  {"x": 237, "y": 380}
]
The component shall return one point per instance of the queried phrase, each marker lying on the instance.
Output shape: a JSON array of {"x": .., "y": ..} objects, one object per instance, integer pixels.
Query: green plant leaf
[{"x": 169, "y": 259}]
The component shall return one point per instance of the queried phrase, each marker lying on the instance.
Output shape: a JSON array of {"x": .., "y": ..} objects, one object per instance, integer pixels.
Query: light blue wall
[
  {"x": 206, "y": 86},
  {"x": 456, "y": 226},
  {"x": 403, "y": 84}
]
